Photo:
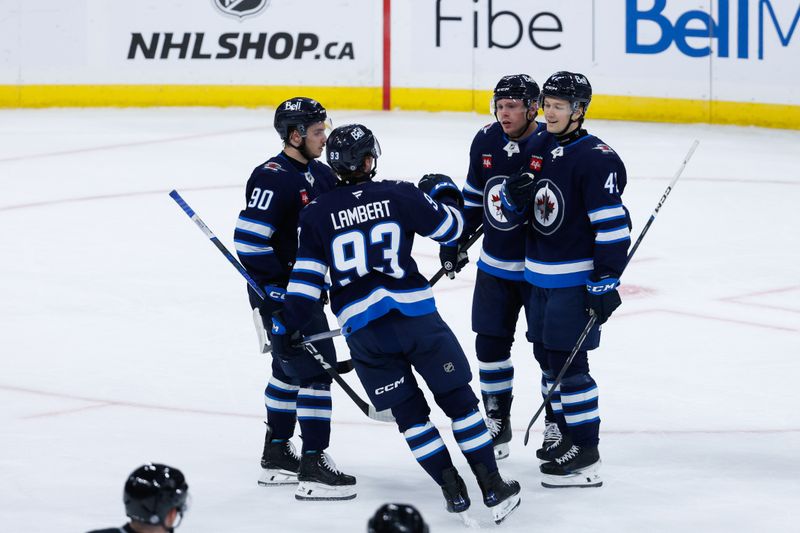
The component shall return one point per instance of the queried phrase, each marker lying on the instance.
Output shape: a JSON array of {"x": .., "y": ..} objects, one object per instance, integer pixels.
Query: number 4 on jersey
[{"x": 611, "y": 184}]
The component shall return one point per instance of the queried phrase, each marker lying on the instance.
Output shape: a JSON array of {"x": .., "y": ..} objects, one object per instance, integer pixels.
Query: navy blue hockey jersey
[
  {"x": 363, "y": 234},
  {"x": 579, "y": 225},
  {"x": 266, "y": 232},
  {"x": 492, "y": 157}
]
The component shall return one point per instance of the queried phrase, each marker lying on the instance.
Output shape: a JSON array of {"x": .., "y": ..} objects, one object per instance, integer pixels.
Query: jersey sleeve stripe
[
  {"x": 247, "y": 248},
  {"x": 468, "y": 188},
  {"x": 608, "y": 236},
  {"x": 468, "y": 204},
  {"x": 306, "y": 290},
  {"x": 310, "y": 266},
  {"x": 254, "y": 227},
  {"x": 444, "y": 227},
  {"x": 606, "y": 213}
]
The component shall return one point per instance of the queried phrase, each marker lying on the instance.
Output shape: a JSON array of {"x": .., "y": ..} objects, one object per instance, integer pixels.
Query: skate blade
[
  {"x": 273, "y": 477},
  {"x": 589, "y": 477},
  {"x": 318, "y": 492},
  {"x": 501, "y": 451},
  {"x": 501, "y": 511}
]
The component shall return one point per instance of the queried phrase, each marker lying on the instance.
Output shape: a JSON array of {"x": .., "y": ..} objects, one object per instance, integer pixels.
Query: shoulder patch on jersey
[
  {"x": 485, "y": 129},
  {"x": 536, "y": 163},
  {"x": 487, "y": 160},
  {"x": 604, "y": 148},
  {"x": 304, "y": 197},
  {"x": 273, "y": 166}
]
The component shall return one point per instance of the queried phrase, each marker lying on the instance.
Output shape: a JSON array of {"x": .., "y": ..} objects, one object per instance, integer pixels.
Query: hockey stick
[
  {"x": 472, "y": 240},
  {"x": 593, "y": 318},
  {"x": 366, "y": 408},
  {"x": 221, "y": 247}
]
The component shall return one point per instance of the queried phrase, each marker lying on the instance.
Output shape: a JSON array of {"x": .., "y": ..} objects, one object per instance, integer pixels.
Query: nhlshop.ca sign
[{"x": 199, "y": 45}]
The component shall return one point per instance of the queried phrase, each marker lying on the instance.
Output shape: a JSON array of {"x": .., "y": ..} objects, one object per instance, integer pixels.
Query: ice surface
[{"x": 127, "y": 338}]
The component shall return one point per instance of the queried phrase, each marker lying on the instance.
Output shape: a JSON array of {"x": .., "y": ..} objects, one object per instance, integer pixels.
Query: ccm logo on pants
[{"x": 390, "y": 386}]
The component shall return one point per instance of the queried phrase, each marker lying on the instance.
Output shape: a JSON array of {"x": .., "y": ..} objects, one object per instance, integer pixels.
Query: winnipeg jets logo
[
  {"x": 273, "y": 166},
  {"x": 357, "y": 194},
  {"x": 310, "y": 178},
  {"x": 511, "y": 148},
  {"x": 606, "y": 149},
  {"x": 241, "y": 8},
  {"x": 548, "y": 207},
  {"x": 492, "y": 205},
  {"x": 558, "y": 152}
]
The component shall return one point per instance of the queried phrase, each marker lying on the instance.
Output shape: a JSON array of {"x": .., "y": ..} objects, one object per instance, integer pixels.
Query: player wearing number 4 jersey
[
  {"x": 577, "y": 242},
  {"x": 266, "y": 242},
  {"x": 362, "y": 233}
]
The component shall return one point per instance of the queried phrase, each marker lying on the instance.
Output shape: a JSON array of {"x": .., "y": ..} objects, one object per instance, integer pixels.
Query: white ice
[{"x": 126, "y": 337}]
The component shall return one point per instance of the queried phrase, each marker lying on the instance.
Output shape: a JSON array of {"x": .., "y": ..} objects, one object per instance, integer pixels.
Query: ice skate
[
  {"x": 500, "y": 429},
  {"x": 455, "y": 495},
  {"x": 501, "y": 496},
  {"x": 279, "y": 462},
  {"x": 578, "y": 467},
  {"x": 320, "y": 479},
  {"x": 557, "y": 448}
]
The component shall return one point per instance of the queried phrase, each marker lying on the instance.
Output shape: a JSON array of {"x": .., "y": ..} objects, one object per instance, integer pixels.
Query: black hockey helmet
[
  {"x": 347, "y": 147},
  {"x": 152, "y": 491},
  {"x": 397, "y": 518},
  {"x": 297, "y": 114},
  {"x": 569, "y": 86},
  {"x": 516, "y": 86}
]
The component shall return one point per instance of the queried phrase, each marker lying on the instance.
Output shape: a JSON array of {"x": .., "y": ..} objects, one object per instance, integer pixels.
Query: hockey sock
[
  {"x": 474, "y": 440},
  {"x": 496, "y": 372},
  {"x": 554, "y": 410},
  {"x": 281, "y": 401},
  {"x": 314, "y": 415},
  {"x": 497, "y": 382},
  {"x": 579, "y": 400},
  {"x": 429, "y": 450}
]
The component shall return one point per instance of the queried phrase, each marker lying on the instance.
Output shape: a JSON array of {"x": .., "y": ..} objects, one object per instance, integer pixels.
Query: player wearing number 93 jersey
[{"x": 362, "y": 233}]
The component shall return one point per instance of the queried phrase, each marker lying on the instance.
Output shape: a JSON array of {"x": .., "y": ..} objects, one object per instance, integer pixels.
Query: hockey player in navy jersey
[
  {"x": 498, "y": 150},
  {"x": 576, "y": 249},
  {"x": 362, "y": 234},
  {"x": 266, "y": 242}
]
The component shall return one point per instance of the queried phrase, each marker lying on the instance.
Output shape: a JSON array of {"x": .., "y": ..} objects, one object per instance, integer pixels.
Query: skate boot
[
  {"x": 279, "y": 462},
  {"x": 578, "y": 467},
  {"x": 454, "y": 491},
  {"x": 500, "y": 429},
  {"x": 551, "y": 434},
  {"x": 320, "y": 479},
  {"x": 501, "y": 496},
  {"x": 557, "y": 448}
]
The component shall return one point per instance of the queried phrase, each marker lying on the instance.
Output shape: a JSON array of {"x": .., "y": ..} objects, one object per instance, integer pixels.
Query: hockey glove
[
  {"x": 517, "y": 192},
  {"x": 285, "y": 344},
  {"x": 442, "y": 189},
  {"x": 275, "y": 293},
  {"x": 602, "y": 298},
  {"x": 453, "y": 259}
]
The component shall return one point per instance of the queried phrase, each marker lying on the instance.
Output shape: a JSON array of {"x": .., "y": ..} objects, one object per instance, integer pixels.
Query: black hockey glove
[
  {"x": 517, "y": 192},
  {"x": 442, "y": 189},
  {"x": 602, "y": 298},
  {"x": 284, "y": 343},
  {"x": 453, "y": 259}
]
